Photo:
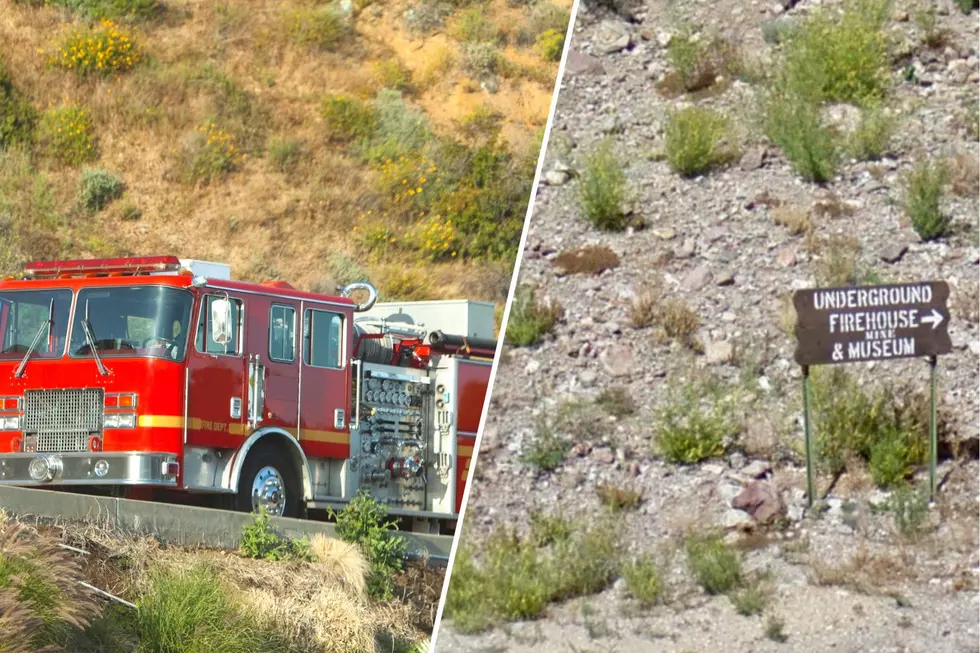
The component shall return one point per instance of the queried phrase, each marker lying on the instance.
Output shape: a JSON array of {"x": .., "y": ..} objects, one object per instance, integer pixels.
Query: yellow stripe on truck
[
  {"x": 464, "y": 451},
  {"x": 162, "y": 421},
  {"x": 332, "y": 437}
]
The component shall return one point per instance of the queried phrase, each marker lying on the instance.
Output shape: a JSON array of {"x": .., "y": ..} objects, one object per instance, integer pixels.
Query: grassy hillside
[{"x": 313, "y": 142}]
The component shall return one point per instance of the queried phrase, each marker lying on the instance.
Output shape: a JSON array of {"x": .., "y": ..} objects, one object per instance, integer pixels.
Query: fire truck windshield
[
  {"x": 132, "y": 321},
  {"x": 22, "y": 315}
]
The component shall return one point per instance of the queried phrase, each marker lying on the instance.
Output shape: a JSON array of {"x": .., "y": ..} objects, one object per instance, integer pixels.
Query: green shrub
[
  {"x": 209, "y": 154},
  {"x": 344, "y": 269},
  {"x": 474, "y": 26},
  {"x": 694, "y": 140},
  {"x": 749, "y": 600},
  {"x": 694, "y": 422},
  {"x": 98, "y": 187},
  {"x": 399, "y": 130},
  {"x": 923, "y": 198},
  {"x": 543, "y": 17},
  {"x": 364, "y": 522},
  {"x": 231, "y": 106},
  {"x": 966, "y": 6},
  {"x": 323, "y": 28},
  {"x": 426, "y": 16},
  {"x": 546, "y": 448},
  {"x": 392, "y": 74},
  {"x": 603, "y": 188},
  {"x": 616, "y": 401},
  {"x": 18, "y": 119},
  {"x": 66, "y": 134},
  {"x": 870, "y": 140},
  {"x": 529, "y": 319},
  {"x": 114, "y": 9},
  {"x": 511, "y": 577},
  {"x": 347, "y": 119},
  {"x": 696, "y": 64},
  {"x": 715, "y": 565},
  {"x": 910, "y": 510},
  {"x": 106, "y": 49},
  {"x": 285, "y": 153},
  {"x": 550, "y": 44},
  {"x": 792, "y": 122},
  {"x": 193, "y": 611},
  {"x": 895, "y": 453},
  {"x": 480, "y": 60},
  {"x": 643, "y": 581},
  {"x": 261, "y": 541}
]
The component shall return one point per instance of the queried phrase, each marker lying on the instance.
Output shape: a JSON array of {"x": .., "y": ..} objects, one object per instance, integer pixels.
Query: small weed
[
  {"x": 106, "y": 49},
  {"x": 933, "y": 36},
  {"x": 796, "y": 221},
  {"x": 643, "y": 310},
  {"x": 392, "y": 74},
  {"x": 407, "y": 285},
  {"x": 923, "y": 198},
  {"x": 715, "y": 565},
  {"x": 18, "y": 119},
  {"x": 618, "y": 498},
  {"x": 529, "y": 319},
  {"x": 749, "y": 600},
  {"x": 616, "y": 401},
  {"x": 838, "y": 265},
  {"x": 323, "y": 28},
  {"x": 593, "y": 259},
  {"x": 364, "y": 522},
  {"x": 698, "y": 63},
  {"x": 98, "y": 188},
  {"x": 910, "y": 510},
  {"x": 285, "y": 153},
  {"x": 870, "y": 140},
  {"x": 792, "y": 122},
  {"x": 894, "y": 455},
  {"x": 66, "y": 134},
  {"x": 643, "y": 581},
  {"x": 964, "y": 175},
  {"x": 677, "y": 321},
  {"x": 209, "y": 154},
  {"x": 482, "y": 124},
  {"x": 966, "y": 6},
  {"x": 694, "y": 139},
  {"x": 546, "y": 448},
  {"x": 775, "y": 629},
  {"x": 474, "y": 26},
  {"x": 693, "y": 423},
  {"x": 262, "y": 542},
  {"x": 543, "y": 17},
  {"x": 347, "y": 119},
  {"x": 603, "y": 189}
]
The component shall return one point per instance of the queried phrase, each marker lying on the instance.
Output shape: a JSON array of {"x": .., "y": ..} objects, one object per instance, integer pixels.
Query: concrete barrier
[{"x": 182, "y": 525}]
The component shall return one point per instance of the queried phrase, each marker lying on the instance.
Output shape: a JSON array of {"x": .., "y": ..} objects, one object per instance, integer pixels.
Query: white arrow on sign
[{"x": 935, "y": 319}]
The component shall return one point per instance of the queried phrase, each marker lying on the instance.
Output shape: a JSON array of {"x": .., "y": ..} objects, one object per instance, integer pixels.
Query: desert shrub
[
  {"x": 231, "y": 106},
  {"x": 715, "y": 565},
  {"x": 29, "y": 215},
  {"x": 473, "y": 25},
  {"x": 838, "y": 264},
  {"x": 694, "y": 139},
  {"x": 509, "y": 577},
  {"x": 530, "y": 319},
  {"x": 481, "y": 125},
  {"x": 550, "y": 44},
  {"x": 114, "y": 9},
  {"x": 870, "y": 140},
  {"x": 603, "y": 188},
  {"x": 923, "y": 200},
  {"x": 364, "y": 522},
  {"x": 750, "y": 599},
  {"x": 881, "y": 426},
  {"x": 677, "y": 321},
  {"x": 966, "y": 6},
  {"x": 209, "y": 154},
  {"x": 480, "y": 60},
  {"x": 105, "y": 49},
  {"x": 41, "y": 596},
  {"x": 261, "y": 541},
  {"x": 793, "y": 123},
  {"x": 193, "y": 611},
  {"x": 592, "y": 259},
  {"x": 390, "y": 73},
  {"x": 65, "y": 133},
  {"x": 98, "y": 187},
  {"x": 426, "y": 16},
  {"x": 18, "y": 119},
  {"x": 543, "y": 17},
  {"x": 643, "y": 581},
  {"x": 407, "y": 285},
  {"x": 344, "y": 270},
  {"x": 618, "y": 498},
  {"x": 694, "y": 423},
  {"x": 696, "y": 64},
  {"x": 775, "y": 629},
  {"x": 347, "y": 119},
  {"x": 909, "y": 507},
  {"x": 399, "y": 130},
  {"x": 546, "y": 448},
  {"x": 285, "y": 153},
  {"x": 323, "y": 28},
  {"x": 436, "y": 238},
  {"x": 616, "y": 401}
]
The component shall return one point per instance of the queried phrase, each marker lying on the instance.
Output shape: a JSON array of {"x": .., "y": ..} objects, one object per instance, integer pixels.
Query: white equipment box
[
  {"x": 207, "y": 269},
  {"x": 459, "y": 317}
]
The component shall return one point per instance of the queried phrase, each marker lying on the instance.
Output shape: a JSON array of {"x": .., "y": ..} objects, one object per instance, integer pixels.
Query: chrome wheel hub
[{"x": 269, "y": 491}]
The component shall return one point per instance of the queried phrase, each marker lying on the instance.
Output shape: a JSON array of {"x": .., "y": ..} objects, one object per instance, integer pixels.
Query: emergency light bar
[{"x": 93, "y": 267}]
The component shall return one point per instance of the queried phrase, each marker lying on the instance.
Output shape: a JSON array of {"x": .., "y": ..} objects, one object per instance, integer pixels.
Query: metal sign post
[{"x": 871, "y": 323}]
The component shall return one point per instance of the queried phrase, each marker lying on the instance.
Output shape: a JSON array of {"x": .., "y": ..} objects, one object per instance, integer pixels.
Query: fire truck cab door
[{"x": 325, "y": 384}]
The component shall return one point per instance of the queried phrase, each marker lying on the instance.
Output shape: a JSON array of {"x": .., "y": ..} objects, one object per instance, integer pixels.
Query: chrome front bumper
[{"x": 87, "y": 468}]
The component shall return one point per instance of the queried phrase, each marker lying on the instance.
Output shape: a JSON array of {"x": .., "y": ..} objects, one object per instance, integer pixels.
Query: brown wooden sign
[{"x": 867, "y": 323}]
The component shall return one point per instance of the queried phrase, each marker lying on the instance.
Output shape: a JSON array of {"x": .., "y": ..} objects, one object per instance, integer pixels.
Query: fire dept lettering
[
  {"x": 842, "y": 325},
  {"x": 208, "y": 425}
]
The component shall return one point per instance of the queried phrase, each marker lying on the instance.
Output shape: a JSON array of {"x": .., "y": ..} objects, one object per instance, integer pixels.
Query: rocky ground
[{"x": 843, "y": 577}]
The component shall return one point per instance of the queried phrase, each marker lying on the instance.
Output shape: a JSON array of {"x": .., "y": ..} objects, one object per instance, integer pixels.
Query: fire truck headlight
[
  {"x": 10, "y": 423},
  {"x": 44, "y": 468},
  {"x": 101, "y": 468},
  {"x": 119, "y": 421},
  {"x": 127, "y": 421}
]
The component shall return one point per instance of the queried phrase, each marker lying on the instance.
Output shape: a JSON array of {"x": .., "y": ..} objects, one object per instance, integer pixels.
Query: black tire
[{"x": 259, "y": 458}]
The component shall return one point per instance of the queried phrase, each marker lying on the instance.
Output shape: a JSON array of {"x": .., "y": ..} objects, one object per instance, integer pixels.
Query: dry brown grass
[
  {"x": 341, "y": 559},
  {"x": 870, "y": 572},
  {"x": 593, "y": 259},
  {"x": 965, "y": 301},
  {"x": 965, "y": 175},
  {"x": 678, "y": 322},
  {"x": 797, "y": 221},
  {"x": 618, "y": 498}
]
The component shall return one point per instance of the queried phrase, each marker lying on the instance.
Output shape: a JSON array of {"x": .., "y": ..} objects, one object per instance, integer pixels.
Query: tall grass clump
[
  {"x": 322, "y": 28},
  {"x": 365, "y": 522},
  {"x": 694, "y": 140},
  {"x": 510, "y": 576},
  {"x": 923, "y": 200},
  {"x": 129, "y": 10},
  {"x": 105, "y": 49},
  {"x": 346, "y": 118},
  {"x": 531, "y": 319},
  {"x": 65, "y": 133},
  {"x": 716, "y": 566},
  {"x": 872, "y": 136},
  {"x": 398, "y": 130},
  {"x": 603, "y": 188}
]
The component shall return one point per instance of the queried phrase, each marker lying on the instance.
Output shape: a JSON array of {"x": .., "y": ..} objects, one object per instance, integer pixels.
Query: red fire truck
[{"x": 165, "y": 376}]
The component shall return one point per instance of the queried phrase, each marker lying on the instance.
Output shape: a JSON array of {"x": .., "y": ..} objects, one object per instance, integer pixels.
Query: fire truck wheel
[{"x": 269, "y": 480}]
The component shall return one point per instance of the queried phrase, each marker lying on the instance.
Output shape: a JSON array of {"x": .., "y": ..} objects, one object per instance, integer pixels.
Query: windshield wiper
[
  {"x": 90, "y": 338},
  {"x": 49, "y": 324}
]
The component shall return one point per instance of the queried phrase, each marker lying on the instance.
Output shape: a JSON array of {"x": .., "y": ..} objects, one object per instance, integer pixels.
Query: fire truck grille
[{"x": 63, "y": 420}]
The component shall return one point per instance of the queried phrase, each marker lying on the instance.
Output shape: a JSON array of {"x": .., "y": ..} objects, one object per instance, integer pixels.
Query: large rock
[
  {"x": 761, "y": 501},
  {"x": 617, "y": 360},
  {"x": 580, "y": 63},
  {"x": 611, "y": 37}
]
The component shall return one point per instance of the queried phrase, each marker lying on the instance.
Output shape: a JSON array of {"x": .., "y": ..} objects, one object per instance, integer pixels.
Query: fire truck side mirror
[{"x": 221, "y": 326}]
